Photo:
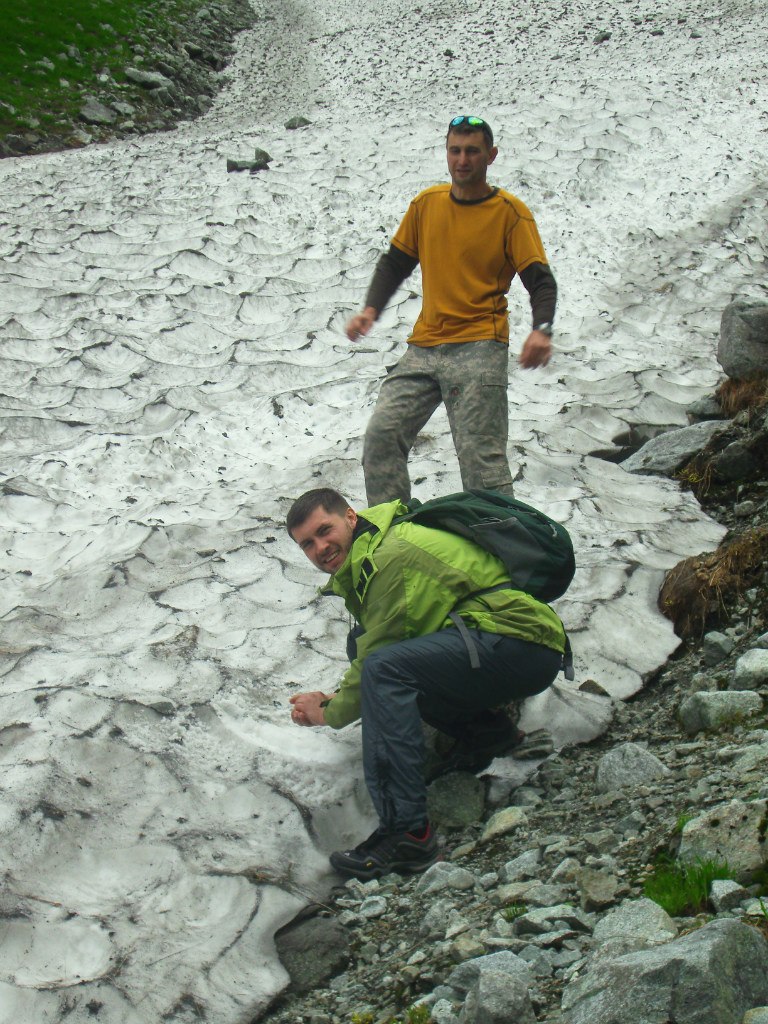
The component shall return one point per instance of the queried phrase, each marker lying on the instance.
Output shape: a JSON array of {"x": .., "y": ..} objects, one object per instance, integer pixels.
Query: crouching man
[{"x": 401, "y": 582}]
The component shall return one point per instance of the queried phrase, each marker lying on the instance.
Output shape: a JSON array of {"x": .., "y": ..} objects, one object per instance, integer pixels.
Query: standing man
[
  {"x": 401, "y": 582},
  {"x": 470, "y": 238}
]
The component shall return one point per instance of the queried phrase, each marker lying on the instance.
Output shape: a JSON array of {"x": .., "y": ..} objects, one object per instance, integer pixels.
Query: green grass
[
  {"x": 513, "y": 911},
  {"x": 40, "y": 85},
  {"x": 683, "y": 889}
]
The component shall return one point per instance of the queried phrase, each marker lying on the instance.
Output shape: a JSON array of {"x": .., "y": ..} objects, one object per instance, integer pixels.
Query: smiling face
[
  {"x": 469, "y": 157},
  {"x": 326, "y": 537}
]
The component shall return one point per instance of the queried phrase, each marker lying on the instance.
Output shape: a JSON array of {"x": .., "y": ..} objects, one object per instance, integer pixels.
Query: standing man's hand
[
  {"x": 361, "y": 324},
  {"x": 537, "y": 350},
  {"x": 306, "y": 708}
]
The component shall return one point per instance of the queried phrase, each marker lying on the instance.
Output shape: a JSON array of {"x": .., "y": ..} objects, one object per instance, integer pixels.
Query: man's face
[
  {"x": 469, "y": 157},
  {"x": 326, "y": 537}
]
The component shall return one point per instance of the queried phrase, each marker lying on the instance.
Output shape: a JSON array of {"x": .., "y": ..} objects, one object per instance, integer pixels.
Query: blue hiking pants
[{"x": 430, "y": 678}]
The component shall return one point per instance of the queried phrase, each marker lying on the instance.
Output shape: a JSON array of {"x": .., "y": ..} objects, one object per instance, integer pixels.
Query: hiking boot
[
  {"x": 491, "y": 736},
  {"x": 383, "y": 852},
  {"x": 534, "y": 746}
]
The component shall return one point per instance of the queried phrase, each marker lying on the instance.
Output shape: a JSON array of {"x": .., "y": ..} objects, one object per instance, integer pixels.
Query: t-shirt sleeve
[
  {"x": 406, "y": 237},
  {"x": 524, "y": 245}
]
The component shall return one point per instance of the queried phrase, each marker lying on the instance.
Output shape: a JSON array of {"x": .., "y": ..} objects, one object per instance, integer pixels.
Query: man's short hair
[{"x": 321, "y": 497}]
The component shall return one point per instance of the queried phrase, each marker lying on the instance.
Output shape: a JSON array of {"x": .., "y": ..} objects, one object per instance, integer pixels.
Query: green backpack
[{"x": 536, "y": 551}]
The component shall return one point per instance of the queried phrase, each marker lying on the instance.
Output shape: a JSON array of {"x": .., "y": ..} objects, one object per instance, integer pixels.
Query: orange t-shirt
[{"x": 469, "y": 252}]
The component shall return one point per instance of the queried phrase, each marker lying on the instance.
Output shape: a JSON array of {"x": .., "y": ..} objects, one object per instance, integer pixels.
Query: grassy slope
[{"x": 43, "y": 80}]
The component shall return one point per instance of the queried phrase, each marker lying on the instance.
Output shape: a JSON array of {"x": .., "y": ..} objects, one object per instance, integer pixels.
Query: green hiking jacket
[{"x": 403, "y": 581}]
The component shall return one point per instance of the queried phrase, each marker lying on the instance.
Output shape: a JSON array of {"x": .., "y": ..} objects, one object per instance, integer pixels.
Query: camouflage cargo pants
[{"x": 471, "y": 380}]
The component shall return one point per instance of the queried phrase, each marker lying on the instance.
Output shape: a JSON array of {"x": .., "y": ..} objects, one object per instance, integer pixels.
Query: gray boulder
[
  {"x": 734, "y": 832},
  {"x": 736, "y": 461},
  {"x": 498, "y": 998},
  {"x": 751, "y": 670},
  {"x": 757, "y": 1016},
  {"x": 95, "y": 112},
  {"x": 312, "y": 951},
  {"x": 715, "y": 646},
  {"x": 706, "y": 408},
  {"x": 456, "y": 800},
  {"x": 495, "y": 988},
  {"x": 669, "y": 452},
  {"x": 724, "y": 894},
  {"x": 634, "y": 925},
  {"x": 743, "y": 347},
  {"x": 526, "y": 865},
  {"x": 628, "y": 764},
  {"x": 444, "y": 875},
  {"x": 597, "y": 888},
  {"x": 463, "y": 977},
  {"x": 718, "y": 709},
  {"x": 710, "y": 976},
  {"x": 147, "y": 79}
]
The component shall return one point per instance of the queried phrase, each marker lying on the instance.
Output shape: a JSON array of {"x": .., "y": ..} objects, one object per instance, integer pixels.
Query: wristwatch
[{"x": 544, "y": 328}]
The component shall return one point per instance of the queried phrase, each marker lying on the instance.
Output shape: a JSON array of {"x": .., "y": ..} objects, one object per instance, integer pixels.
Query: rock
[
  {"x": 245, "y": 165},
  {"x": 312, "y": 951},
  {"x": 296, "y": 122},
  {"x": 372, "y": 907},
  {"x": 526, "y": 865},
  {"x": 669, "y": 452},
  {"x": 628, "y": 765},
  {"x": 504, "y": 821},
  {"x": 95, "y": 112},
  {"x": 445, "y": 876},
  {"x": 597, "y": 888},
  {"x": 497, "y": 998},
  {"x": 752, "y": 757},
  {"x": 718, "y": 709},
  {"x": 715, "y": 646},
  {"x": 735, "y": 462},
  {"x": 759, "y": 1015},
  {"x": 633, "y": 925},
  {"x": 734, "y": 832},
  {"x": 714, "y": 974},
  {"x": 456, "y": 800},
  {"x": 725, "y": 894},
  {"x": 435, "y": 921},
  {"x": 543, "y": 919},
  {"x": 751, "y": 670},
  {"x": 463, "y": 977},
  {"x": 147, "y": 79},
  {"x": 441, "y": 1012},
  {"x": 743, "y": 346},
  {"x": 602, "y": 841},
  {"x": 706, "y": 408}
]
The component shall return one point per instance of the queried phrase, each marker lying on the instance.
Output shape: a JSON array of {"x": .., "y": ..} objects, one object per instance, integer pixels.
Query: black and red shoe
[{"x": 383, "y": 852}]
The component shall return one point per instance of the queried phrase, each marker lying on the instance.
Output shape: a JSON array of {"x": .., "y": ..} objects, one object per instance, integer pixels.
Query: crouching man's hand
[{"x": 306, "y": 708}]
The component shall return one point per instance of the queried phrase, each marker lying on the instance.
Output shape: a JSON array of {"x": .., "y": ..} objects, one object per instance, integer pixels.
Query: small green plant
[
  {"x": 681, "y": 822},
  {"x": 513, "y": 911},
  {"x": 683, "y": 889},
  {"x": 417, "y": 1015}
]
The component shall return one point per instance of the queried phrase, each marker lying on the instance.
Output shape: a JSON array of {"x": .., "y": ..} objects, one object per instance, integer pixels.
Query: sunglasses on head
[{"x": 473, "y": 122}]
